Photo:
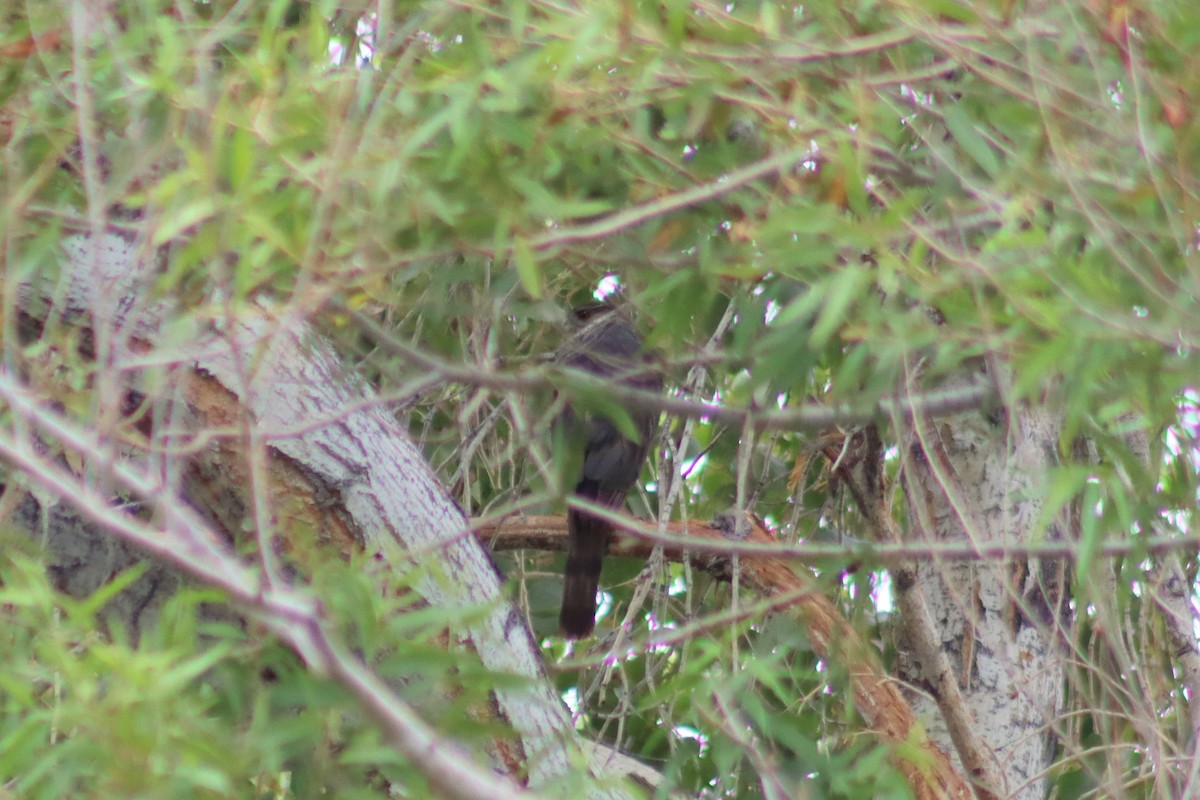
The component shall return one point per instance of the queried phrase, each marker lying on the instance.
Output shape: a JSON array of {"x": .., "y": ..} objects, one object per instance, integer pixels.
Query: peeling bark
[
  {"x": 981, "y": 479},
  {"x": 337, "y": 466}
]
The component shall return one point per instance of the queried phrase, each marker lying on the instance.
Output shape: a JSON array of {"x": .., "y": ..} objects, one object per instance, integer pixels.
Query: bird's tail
[{"x": 587, "y": 542}]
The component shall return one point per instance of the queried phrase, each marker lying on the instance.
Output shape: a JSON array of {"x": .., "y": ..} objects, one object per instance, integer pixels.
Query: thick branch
[
  {"x": 188, "y": 544},
  {"x": 858, "y": 464},
  {"x": 351, "y": 465},
  {"x": 877, "y": 697},
  {"x": 638, "y": 538}
]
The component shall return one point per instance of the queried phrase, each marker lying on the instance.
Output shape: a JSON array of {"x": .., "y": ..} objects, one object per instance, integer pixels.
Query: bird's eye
[{"x": 585, "y": 313}]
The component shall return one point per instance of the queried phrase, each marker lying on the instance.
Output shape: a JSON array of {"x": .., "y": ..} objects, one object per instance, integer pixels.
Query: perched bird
[{"x": 604, "y": 343}]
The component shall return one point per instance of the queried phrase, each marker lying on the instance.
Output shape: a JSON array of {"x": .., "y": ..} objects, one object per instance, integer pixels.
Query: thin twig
[
  {"x": 188, "y": 544},
  {"x": 805, "y": 417},
  {"x": 632, "y": 217}
]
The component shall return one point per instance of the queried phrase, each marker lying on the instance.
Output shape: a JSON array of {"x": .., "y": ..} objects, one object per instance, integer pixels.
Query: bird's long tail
[{"x": 587, "y": 542}]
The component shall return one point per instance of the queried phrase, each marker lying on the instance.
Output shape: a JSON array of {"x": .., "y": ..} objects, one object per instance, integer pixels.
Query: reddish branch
[{"x": 877, "y": 697}]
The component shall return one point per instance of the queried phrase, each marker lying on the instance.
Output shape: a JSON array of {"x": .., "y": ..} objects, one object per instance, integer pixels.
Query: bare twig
[
  {"x": 632, "y": 217},
  {"x": 805, "y": 417},
  {"x": 294, "y": 616}
]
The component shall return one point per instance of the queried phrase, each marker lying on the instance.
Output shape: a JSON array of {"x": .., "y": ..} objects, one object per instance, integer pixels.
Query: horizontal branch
[
  {"x": 635, "y": 538},
  {"x": 811, "y": 416},
  {"x": 877, "y": 696}
]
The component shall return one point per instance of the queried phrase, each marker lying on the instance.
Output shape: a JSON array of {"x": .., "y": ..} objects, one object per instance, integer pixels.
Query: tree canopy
[{"x": 893, "y": 236}]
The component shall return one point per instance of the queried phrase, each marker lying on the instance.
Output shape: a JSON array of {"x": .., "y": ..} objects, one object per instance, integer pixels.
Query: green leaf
[
  {"x": 962, "y": 127},
  {"x": 1090, "y": 530},
  {"x": 527, "y": 266},
  {"x": 192, "y": 213},
  {"x": 842, "y": 292}
]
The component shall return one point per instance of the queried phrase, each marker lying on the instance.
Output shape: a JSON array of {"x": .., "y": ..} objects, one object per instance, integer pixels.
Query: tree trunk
[
  {"x": 981, "y": 478},
  {"x": 334, "y": 464}
]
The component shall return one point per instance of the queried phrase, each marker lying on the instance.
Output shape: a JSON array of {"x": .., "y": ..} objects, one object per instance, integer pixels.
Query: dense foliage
[{"x": 801, "y": 203}]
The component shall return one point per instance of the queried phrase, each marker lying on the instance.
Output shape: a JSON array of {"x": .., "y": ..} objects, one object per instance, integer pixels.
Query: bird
[{"x": 604, "y": 343}]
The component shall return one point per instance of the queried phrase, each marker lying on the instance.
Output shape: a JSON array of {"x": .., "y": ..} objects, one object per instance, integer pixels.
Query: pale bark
[
  {"x": 336, "y": 460},
  {"x": 981, "y": 478},
  {"x": 338, "y": 465}
]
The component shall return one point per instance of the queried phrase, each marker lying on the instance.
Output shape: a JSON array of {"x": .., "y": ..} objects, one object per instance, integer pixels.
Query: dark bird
[{"x": 604, "y": 343}]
